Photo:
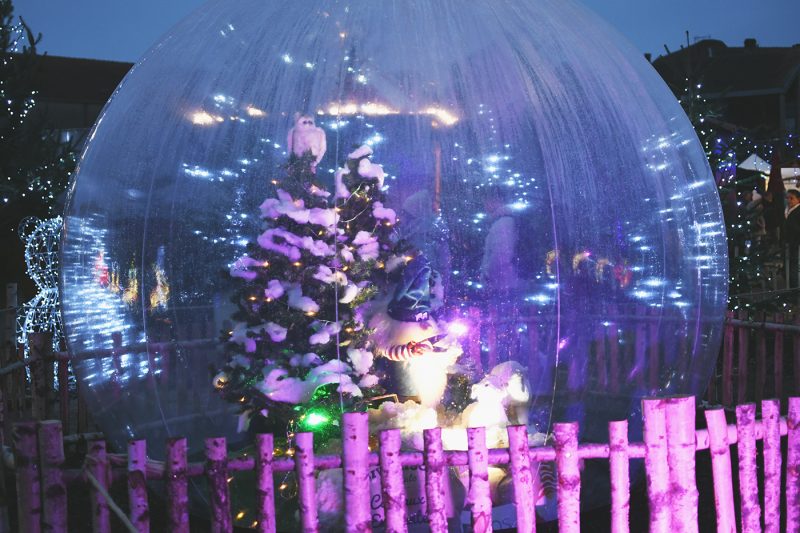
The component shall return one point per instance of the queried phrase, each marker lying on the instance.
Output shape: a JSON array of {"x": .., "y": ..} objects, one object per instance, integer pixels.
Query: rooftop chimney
[{"x": 750, "y": 43}]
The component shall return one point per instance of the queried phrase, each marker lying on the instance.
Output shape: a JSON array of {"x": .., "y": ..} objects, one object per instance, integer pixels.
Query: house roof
[
  {"x": 732, "y": 71},
  {"x": 74, "y": 80}
]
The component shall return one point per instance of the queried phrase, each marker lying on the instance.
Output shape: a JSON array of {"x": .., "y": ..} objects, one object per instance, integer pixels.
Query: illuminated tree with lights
[
  {"x": 35, "y": 164},
  {"x": 298, "y": 349}
]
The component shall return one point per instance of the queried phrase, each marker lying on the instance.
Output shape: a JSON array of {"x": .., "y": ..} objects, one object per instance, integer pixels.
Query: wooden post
[
  {"x": 761, "y": 359},
  {"x": 681, "y": 450},
  {"x": 217, "y": 474},
  {"x": 619, "y": 465},
  {"x": 265, "y": 489},
  {"x": 640, "y": 346},
  {"x": 41, "y": 354},
  {"x": 721, "y": 468},
  {"x": 770, "y": 417},
  {"x": 137, "y": 485},
  {"x": 355, "y": 462},
  {"x": 29, "y": 506},
  {"x": 522, "y": 476},
  {"x": 306, "y": 483},
  {"x": 748, "y": 480},
  {"x": 613, "y": 354},
  {"x": 727, "y": 362},
  {"x": 54, "y": 491},
  {"x": 777, "y": 358},
  {"x": 98, "y": 467},
  {"x": 63, "y": 392},
  {"x": 393, "y": 488},
  {"x": 569, "y": 477},
  {"x": 479, "y": 497},
  {"x": 796, "y": 358},
  {"x": 793, "y": 466},
  {"x": 653, "y": 354},
  {"x": 177, "y": 486},
  {"x": 600, "y": 355},
  {"x": 474, "y": 338},
  {"x": 656, "y": 467},
  {"x": 741, "y": 394},
  {"x": 435, "y": 479}
]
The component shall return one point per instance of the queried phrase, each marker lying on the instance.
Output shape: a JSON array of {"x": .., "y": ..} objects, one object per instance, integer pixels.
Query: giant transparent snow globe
[{"x": 537, "y": 159}]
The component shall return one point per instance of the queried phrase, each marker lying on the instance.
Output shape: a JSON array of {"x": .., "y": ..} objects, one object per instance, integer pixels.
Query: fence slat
[
  {"x": 619, "y": 467},
  {"x": 54, "y": 491},
  {"x": 681, "y": 450},
  {"x": 137, "y": 485},
  {"x": 639, "y": 361},
  {"x": 355, "y": 440},
  {"x": 770, "y": 416},
  {"x": 306, "y": 483},
  {"x": 741, "y": 378},
  {"x": 177, "y": 486},
  {"x": 434, "y": 479},
  {"x": 777, "y": 359},
  {"x": 569, "y": 477},
  {"x": 613, "y": 354},
  {"x": 748, "y": 481},
  {"x": 721, "y": 469},
  {"x": 793, "y": 467},
  {"x": 761, "y": 360},
  {"x": 656, "y": 467},
  {"x": 98, "y": 467},
  {"x": 727, "y": 363},
  {"x": 29, "y": 507},
  {"x": 523, "y": 478},
  {"x": 393, "y": 489},
  {"x": 265, "y": 492},
  {"x": 479, "y": 499},
  {"x": 217, "y": 474}
]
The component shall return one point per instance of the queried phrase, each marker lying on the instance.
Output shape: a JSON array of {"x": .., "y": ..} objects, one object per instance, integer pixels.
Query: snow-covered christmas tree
[{"x": 326, "y": 290}]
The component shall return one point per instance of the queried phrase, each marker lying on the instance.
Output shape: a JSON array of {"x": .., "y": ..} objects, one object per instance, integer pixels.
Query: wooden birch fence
[{"x": 669, "y": 453}]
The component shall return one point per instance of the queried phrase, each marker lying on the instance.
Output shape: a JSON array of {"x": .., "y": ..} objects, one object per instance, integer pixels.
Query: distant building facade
[
  {"x": 757, "y": 88},
  {"x": 71, "y": 92}
]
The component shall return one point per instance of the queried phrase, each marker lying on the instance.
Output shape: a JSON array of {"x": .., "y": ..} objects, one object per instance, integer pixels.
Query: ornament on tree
[{"x": 304, "y": 138}]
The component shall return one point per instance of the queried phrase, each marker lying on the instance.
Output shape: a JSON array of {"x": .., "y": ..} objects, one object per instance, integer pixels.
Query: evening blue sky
[{"x": 124, "y": 30}]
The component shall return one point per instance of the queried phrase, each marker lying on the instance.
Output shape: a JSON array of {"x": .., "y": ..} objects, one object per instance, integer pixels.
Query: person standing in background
[{"x": 791, "y": 235}]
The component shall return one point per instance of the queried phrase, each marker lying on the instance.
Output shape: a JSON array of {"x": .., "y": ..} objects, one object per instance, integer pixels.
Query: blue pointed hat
[{"x": 411, "y": 301}]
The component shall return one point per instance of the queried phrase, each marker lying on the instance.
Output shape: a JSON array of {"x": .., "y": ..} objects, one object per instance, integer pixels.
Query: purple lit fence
[{"x": 669, "y": 450}]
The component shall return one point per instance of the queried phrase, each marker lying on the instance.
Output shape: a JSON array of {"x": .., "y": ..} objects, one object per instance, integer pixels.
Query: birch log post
[
  {"x": 99, "y": 469},
  {"x": 479, "y": 497},
  {"x": 306, "y": 483},
  {"x": 719, "y": 447},
  {"x": 522, "y": 476},
  {"x": 219, "y": 492},
  {"x": 770, "y": 419},
  {"x": 355, "y": 461},
  {"x": 435, "y": 471},
  {"x": 748, "y": 480},
  {"x": 656, "y": 467},
  {"x": 619, "y": 466},
  {"x": 137, "y": 485},
  {"x": 569, "y": 477},
  {"x": 177, "y": 486},
  {"x": 793, "y": 466},
  {"x": 54, "y": 491},
  {"x": 265, "y": 488},
  {"x": 29, "y": 507},
  {"x": 681, "y": 450},
  {"x": 393, "y": 489}
]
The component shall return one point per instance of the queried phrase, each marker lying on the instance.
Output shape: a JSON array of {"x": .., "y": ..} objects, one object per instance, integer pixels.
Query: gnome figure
[
  {"x": 407, "y": 334},
  {"x": 306, "y": 137}
]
